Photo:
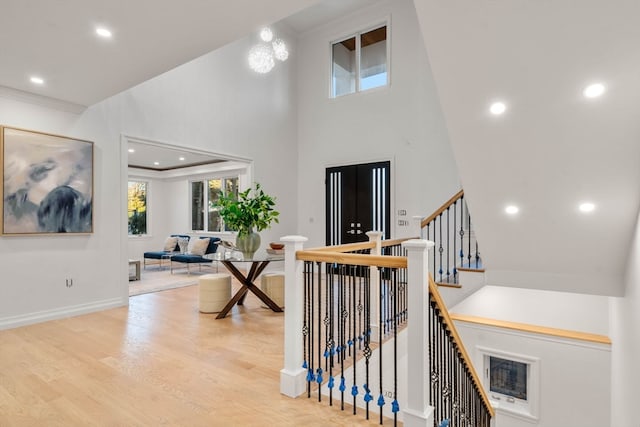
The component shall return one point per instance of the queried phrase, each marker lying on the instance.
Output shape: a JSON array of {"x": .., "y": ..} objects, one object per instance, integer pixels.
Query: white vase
[{"x": 248, "y": 244}]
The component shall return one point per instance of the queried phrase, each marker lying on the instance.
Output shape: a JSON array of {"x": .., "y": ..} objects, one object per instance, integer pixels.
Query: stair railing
[
  {"x": 456, "y": 247},
  {"x": 351, "y": 318}
]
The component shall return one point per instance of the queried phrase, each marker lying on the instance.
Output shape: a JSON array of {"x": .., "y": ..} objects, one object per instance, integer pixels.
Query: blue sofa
[
  {"x": 189, "y": 259},
  {"x": 163, "y": 255}
]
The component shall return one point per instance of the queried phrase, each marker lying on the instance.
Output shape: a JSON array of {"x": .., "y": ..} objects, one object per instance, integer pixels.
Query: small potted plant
[{"x": 249, "y": 213}]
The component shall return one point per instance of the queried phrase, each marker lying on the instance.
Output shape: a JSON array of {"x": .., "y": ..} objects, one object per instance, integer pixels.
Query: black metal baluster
[
  {"x": 477, "y": 255},
  {"x": 448, "y": 247},
  {"x": 311, "y": 375},
  {"x": 381, "y": 291},
  {"x": 441, "y": 366},
  {"x": 319, "y": 370},
  {"x": 327, "y": 332},
  {"x": 455, "y": 252},
  {"x": 440, "y": 250},
  {"x": 367, "y": 340},
  {"x": 351, "y": 326},
  {"x": 462, "y": 231},
  {"x": 360, "y": 313},
  {"x": 331, "y": 342},
  {"x": 432, "y": 359},
  {"x": 305, "y": 326},
  {"x": 469, "y": 238},
  {"x": 339, "y": 352},
  {"x": 394, "y": 405}
]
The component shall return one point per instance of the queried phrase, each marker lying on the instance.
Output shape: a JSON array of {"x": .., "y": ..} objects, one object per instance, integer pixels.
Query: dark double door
[{"x": 357, "y": 201}]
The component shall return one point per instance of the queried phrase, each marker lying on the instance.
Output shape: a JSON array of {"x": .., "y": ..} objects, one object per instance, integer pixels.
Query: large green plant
[{"x": 252, "y": 209}]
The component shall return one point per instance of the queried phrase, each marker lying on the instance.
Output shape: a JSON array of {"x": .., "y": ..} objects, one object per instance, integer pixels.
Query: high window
[
  {"x": 360, "y": 62},
  {"x": 137, "y": 208},
  {"x": 204, "y": 195},
  {"x": 512, "y": 382}
]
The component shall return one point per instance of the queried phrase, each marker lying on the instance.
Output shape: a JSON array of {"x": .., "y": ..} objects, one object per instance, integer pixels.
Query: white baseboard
[{"x": 60, "y": 313}]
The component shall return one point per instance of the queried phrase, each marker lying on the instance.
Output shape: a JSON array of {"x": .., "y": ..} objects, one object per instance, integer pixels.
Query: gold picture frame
[{"x": 47, "y": 183}]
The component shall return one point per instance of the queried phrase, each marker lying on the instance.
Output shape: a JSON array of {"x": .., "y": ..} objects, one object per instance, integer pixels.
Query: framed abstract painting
[{"x": 47, "y": 183}]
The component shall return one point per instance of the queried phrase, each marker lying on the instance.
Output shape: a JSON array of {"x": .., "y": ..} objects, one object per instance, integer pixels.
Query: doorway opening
[{"x": 169, "y": 205}]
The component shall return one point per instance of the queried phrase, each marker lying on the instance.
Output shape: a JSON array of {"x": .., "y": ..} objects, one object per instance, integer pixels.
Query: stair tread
[{"x": 473, "y": 265}]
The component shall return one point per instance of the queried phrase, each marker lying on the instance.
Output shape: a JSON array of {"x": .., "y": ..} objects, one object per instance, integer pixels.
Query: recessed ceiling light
[
  {"x": 511, "y": 209},
  {"x": 37, "y": 80},
  {"x": 181, "y": 159},
  {"x": 156, "y": 163},
  {"x": 131, "y": 150},
  {"x": 587, "y": 207},
  {"x": 497, "y": 108},
  {"x": 103, "y": 32},
  {"x": 594, "y": 90}
]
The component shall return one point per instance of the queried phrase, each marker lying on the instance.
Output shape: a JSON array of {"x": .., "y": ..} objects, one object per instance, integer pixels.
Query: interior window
[
  {"x": 360, "y": 62},
  {"x": 204, "y": 202},
  {"x": 137, "y": 208}
]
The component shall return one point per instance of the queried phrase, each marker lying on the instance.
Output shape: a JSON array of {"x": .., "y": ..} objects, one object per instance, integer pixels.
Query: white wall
[
  {"x": 215, "y": 103},
  {"x": 574, "y": 377},
  {"x": 625, "y": 321},
  {"x": 35, "y": 268},
  {"x": 577, "y": 312},
  {"x": 401, "y": 123}
]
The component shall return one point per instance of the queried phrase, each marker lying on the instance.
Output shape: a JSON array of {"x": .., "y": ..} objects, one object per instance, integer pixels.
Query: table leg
[{"x": 247, "y": 285}]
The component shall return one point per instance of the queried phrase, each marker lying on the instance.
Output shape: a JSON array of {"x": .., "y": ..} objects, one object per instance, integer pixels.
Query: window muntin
[
  {"x": 137, "y": 208},
  {"x": 203, "y": 202},
  {"x": 360, "y": 62},
  {"x": 197, "y": 205},
  {"x": 508, "y": 377}
]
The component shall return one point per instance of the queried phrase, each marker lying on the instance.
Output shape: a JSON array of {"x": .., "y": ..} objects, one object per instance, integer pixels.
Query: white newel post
[
  {"x": 292, "y": 376},
  {"x": 375, "y": 236},
  {"x": 417, "y": 411}
]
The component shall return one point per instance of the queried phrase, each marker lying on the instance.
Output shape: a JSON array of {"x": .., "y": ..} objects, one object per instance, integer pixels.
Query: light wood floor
[{"x": 158, "y": 362}]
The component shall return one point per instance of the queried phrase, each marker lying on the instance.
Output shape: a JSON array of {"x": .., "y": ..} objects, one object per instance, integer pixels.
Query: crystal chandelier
[
  {"x": 262, "y": 55},
  {"x": 261, "y": 58}
]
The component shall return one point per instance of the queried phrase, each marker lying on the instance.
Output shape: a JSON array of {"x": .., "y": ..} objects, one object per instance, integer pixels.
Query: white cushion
[
  {"x": 199, "y": 246},
  {"x": 170, "y": 244}
]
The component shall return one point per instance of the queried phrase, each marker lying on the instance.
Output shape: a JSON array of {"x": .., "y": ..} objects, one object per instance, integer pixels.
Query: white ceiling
[
  {"x": 553, "y": 148},
  {"x": 55, "y": 39},
  {"x": 164, "y": 157}
]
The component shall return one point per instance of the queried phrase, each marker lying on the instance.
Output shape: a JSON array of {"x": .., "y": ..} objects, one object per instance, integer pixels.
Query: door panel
[{"x": 357, "y": 201}]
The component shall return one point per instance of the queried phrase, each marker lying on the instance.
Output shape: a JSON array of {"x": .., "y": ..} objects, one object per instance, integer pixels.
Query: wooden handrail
[
  {"x": 353, "y": 259},
  {"x": 442, "y": 208},
  {"x": 446, "y": 318},
  {"x": 525, "y": 327},
  {"x": 394, "y": 242},
  {"x": 349, "y": 247}
]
